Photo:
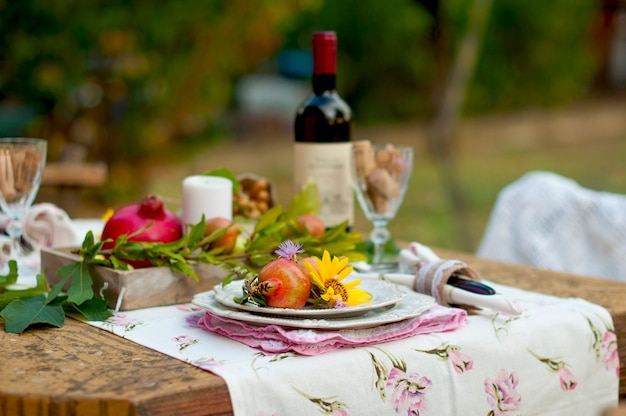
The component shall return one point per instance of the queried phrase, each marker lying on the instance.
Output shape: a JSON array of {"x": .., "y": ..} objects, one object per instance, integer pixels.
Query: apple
[
  {"x": 284, "y": 284},
  {"x": 229, "y": 240},
  {"x": 313, "y": 223}
]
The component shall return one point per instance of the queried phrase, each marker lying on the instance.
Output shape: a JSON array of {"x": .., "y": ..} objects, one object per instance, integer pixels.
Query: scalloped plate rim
[
  {"x": 383, "y": 294},
  {"x": 411, "y": 306}
]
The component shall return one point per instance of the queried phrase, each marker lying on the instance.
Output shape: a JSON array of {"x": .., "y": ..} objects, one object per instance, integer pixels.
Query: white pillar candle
[{"x": 208, "y": 195}]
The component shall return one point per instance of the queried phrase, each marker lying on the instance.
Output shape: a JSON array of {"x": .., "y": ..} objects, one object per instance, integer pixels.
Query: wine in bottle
[{"x": 322, "y": 149}]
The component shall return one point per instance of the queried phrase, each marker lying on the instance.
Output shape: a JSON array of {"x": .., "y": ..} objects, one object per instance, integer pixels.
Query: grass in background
[{"x": 427, "y": 216}]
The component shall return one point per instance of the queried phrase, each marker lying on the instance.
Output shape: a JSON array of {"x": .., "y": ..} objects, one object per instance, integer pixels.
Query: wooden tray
[{"x": 135, "y": 289}]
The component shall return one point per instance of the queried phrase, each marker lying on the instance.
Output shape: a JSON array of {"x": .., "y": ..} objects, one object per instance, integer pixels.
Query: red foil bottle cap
[{"x": 324, "y": 53}]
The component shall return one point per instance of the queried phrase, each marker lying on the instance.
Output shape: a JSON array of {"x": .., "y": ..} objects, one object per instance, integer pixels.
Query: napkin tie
[{"x": 432, "y": 277}]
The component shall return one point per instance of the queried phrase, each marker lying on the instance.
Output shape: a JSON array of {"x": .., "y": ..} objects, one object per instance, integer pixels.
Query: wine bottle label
[{"x": 328, "y": 164}]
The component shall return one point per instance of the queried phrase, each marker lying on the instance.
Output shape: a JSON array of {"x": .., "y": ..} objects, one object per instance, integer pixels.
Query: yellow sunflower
[{"x": 328, "y": 276}]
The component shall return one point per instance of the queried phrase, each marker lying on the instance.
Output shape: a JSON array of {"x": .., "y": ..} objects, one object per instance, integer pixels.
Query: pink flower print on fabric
[
  {"x": 609, "y": 352},
  {"x": 192, "y": 320},
  {"x": 207, "y": 363},
  {"x": 408, "y": 391},
  {"x": 566, "y": 376},
  {"x": 567, "y": 379},
  {"x": 120, "y": 319},
  {"x": 502, "y": 395},
  {"x": 326, "y": 405},
  {"x": 460, "y": 362},
  {"x": 184, "y": 341},
  {"x": 188, "y": 307}
]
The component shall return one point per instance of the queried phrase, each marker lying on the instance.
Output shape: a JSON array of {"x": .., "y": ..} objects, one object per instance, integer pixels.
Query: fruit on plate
[
  {"x": 229, "y": 240},
  {"x": 148, "y": 221},
  {"x": 284, "y": 284}
]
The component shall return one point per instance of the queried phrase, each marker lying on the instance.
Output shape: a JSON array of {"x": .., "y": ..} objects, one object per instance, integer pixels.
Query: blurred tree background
[{"x": 136, "y": 80}]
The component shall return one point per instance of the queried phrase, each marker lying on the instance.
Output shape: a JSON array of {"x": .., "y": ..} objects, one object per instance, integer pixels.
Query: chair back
[{"x": 551, "y": 222}]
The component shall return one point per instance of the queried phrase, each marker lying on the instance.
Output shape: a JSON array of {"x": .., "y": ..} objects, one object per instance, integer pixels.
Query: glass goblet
[
  {"x": 381, "y": 176},
  {"x": 22, "y": 161}
]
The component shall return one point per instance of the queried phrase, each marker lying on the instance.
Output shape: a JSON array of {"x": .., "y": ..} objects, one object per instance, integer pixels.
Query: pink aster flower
[
  {"x": 408, "y": 391},
  {"x": 289, "y": 250}
]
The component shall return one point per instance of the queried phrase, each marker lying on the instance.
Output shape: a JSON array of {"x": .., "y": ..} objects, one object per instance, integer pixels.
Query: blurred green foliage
[
  {"x": 131, "y": 78},
  {"x": 534, "y": 54}
]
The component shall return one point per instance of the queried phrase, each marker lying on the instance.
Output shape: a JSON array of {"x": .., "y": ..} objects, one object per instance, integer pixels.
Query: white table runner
[{"x": 558, "y": 358}]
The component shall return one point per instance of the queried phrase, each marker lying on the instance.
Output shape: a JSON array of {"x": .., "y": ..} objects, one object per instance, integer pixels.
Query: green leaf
[
  {"x": 22, "y": 313},
  {"x": 307, "y": 201},
  {"x": 90, "y": 248},
  {"x": 80, "y": 289},
  {"x": 184, "y": 267},
  {"x": 94, "y": 309},
  {"x": 118, "y": 264},
  {"x": 270, "y": 217},
  {"x": 9, "y": 296},
  {"x": 11, "y": 277},
  {"x": 196, "y": 233},
  {"x": 65, "y": 273}
]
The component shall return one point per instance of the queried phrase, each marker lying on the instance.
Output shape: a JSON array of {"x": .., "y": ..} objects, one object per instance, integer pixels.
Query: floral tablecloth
[{"x": 558, "y": 358}]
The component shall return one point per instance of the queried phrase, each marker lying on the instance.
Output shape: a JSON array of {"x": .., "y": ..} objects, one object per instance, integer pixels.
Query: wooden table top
[{"x": 81, "y": 370}]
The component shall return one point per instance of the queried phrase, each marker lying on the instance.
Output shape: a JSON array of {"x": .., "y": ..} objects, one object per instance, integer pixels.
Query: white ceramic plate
[
  {"x": 383, "y": 294},
  {"x": 411, "y": 305}
]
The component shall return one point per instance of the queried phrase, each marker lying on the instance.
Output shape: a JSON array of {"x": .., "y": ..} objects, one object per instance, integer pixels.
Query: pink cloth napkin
[{"x": 277, "y": 339}]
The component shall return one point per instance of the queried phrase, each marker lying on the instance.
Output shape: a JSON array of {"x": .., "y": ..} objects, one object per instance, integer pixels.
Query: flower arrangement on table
[
  {"x": 288, "y": 282},
  {"x": 199, "y": 243}
]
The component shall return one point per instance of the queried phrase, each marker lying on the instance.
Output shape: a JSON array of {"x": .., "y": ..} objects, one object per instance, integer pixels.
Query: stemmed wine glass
[
  {"x": 22, "y": 161},
  {"x": 381, "y": 176}
]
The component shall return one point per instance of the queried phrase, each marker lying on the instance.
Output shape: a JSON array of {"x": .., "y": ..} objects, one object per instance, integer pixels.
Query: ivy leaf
[
  {"x": 11, "y": 277},
  {"x": 9, "y": 296},
  {"x": 80, "y": 289},
  {"x": 21, "y": 313},
  {"x": 94, "y": 309},
  {"x": 64, "y": 272}
]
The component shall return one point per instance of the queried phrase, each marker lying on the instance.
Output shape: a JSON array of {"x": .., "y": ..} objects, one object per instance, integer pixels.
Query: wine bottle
[{"x": 322, "y": 148}]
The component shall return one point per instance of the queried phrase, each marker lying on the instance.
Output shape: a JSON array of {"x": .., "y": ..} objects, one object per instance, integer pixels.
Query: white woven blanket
[{"x": 549, "y": 221}]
